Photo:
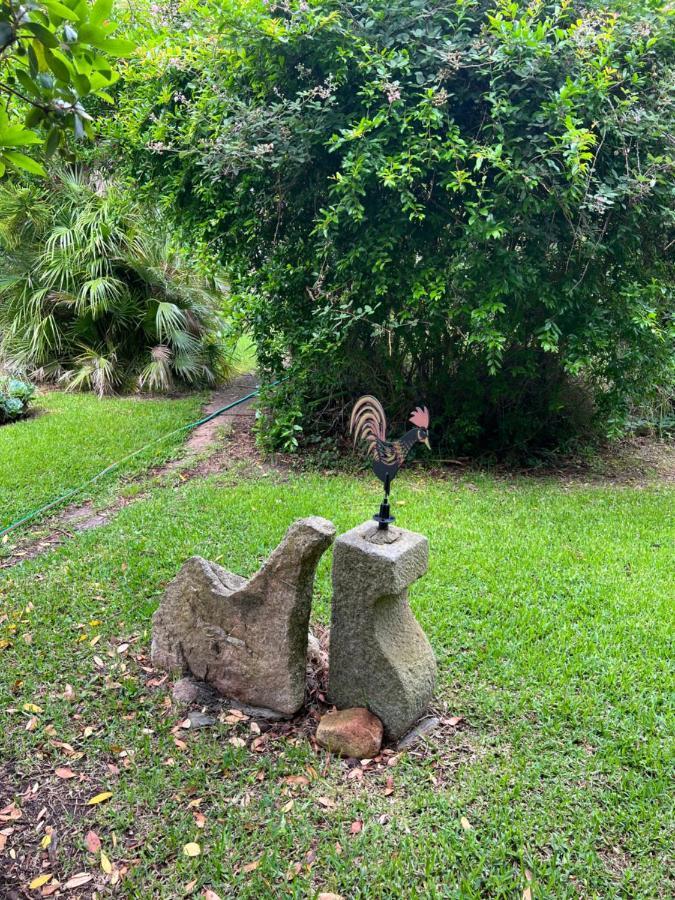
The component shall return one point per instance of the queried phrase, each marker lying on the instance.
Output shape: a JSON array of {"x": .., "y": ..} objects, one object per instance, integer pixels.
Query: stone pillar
[{"x": 379, "y": 656}]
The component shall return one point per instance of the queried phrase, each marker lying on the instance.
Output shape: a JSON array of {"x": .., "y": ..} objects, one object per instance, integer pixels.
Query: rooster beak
[{"x": 426, "y": 443}]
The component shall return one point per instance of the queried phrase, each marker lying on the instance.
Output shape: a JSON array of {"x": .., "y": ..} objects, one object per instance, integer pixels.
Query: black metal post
[{"x": 384, "y": 518}]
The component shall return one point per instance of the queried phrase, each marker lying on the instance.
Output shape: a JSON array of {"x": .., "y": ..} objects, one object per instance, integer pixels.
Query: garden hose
[{"x": 111, "y": 468}]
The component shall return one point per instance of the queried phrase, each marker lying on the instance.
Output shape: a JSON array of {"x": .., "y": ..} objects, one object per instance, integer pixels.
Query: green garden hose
[{"x": 111, "y": 468}]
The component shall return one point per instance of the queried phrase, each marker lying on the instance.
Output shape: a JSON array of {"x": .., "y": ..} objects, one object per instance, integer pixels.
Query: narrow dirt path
[{"x": 210, "y": 448}]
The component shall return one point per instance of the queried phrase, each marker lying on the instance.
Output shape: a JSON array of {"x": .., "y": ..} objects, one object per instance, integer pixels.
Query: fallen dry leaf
[
  {"x": 326, "y": 895},
  {"x": 251, "y": 867},
  {"x": 455, "y": 720},
  {"x": 10, "y": 813},
  {"x": 356, "y": 827},
  {"x": 466, "y": 825},
  {"x": 200, "y": 819},
  {"x": 527, "y": 893},
  {"x": 99, "y": 798},
  {"x": 39, "y": 881},
  {"x": 106, "y": 865},
  {"x": 389, "y": 788},
  {"x": 92, "y": 842},
  {"x": 296, "y": 779},
  {"x": 192, "y": 849},
  {"x": 210, "y": 895},
  {"x": 237, "y": 742},
  {"x": 287, "y": 807},
  {"x": 326, "y": 802},
  {"x": 78, "y": 880},
  {"x": 64, "y": 772},
  {"x": 32, "y": 708}
]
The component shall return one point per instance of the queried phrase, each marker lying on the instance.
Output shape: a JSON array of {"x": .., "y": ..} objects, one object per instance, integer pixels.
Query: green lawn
[
  {"x": 73, "y": 436},
  {"x": 550, "y": 609}
]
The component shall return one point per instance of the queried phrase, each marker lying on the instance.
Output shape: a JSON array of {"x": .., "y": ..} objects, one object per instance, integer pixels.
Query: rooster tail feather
[{"x": 368, "y": 422}]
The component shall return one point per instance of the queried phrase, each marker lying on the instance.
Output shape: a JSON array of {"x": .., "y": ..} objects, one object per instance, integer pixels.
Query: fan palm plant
[{"x": 94, "y": 295}]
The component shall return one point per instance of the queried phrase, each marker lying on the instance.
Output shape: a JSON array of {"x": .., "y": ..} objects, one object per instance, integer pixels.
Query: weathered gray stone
[
  {"x": 417, "y": 734},
  {"x": 350, "y": 732},
  {"x": 379, "y": 656},
  {"x": 246, "y": 638},
  {"x": 188, "y": 691}
]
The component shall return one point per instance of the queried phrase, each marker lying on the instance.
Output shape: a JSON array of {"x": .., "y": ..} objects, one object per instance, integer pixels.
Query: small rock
[
  {"x": 256, "y": 712},
  {"x": 188, "y": 691},
  {"x": 200, "y": 720},
  {"x": 314, "y": 652},
  {"x": 415, "y": 735},
  {"x": 351, "y": 732}
]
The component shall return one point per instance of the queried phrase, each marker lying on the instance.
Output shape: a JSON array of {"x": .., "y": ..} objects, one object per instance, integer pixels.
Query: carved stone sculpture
[{"x": 248, "y": 638}]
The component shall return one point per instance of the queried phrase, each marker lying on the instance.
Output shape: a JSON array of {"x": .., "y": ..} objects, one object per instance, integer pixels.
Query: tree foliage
[
  {"x": 93, "y": 294},
  {"x": 55, "y": 55},
  {"x": 468, "y": 203}
]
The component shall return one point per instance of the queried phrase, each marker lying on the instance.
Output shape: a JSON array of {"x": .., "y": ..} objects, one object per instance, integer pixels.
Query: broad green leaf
[
  {"x": 101, "y": 11},
  {"x": 21, "y": 161},
  {"x": 118, "y": 46},
  {"x": 53, "y": 141},
  {"x": 58, "y": 67},
  {"x": 44, "y": 35},
  {"x": 27, "y": 83},
  {"x": 18, "y": 136},
  {"x": 82, "y": 84},
  {"x": 61, "y": 10}
]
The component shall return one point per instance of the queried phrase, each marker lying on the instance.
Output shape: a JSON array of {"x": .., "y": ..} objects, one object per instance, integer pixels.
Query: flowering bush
[{"x": 466, "y": 203}]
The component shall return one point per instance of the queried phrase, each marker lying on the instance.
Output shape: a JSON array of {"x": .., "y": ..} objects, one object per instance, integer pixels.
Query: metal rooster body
[{"x": 369, "y": 424}]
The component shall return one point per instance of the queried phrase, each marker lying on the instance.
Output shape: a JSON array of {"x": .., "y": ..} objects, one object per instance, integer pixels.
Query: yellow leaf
[
  {"x": 32, "y": 708},
  {"x": 95, "y": 623},
  {"x": 4, "y": 644},
  {"x": 287, "y": 807},
  {"x": 46, "y": 841},
  {"x": 251, "y": 867},
  {"x": 94, "y": 641},
  {"x": 99, "y": 798},
  {"x": 192, "y": 849},
  {"x": 105, "y": 864},
  {"x": 39, "y": 881},
  {"x": 466, "y": 825}
]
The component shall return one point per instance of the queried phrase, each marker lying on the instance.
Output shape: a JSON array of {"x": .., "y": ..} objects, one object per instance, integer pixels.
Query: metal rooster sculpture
[{"x": 369, "y": 424}]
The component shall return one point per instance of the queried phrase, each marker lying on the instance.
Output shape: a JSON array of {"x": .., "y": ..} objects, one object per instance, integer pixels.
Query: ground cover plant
[
  {"x": 71, "y": 438},
  {"x": 549, "y": 608},
  {"x": 465, "y": 203},
  {"x": 15, "y": 399}
]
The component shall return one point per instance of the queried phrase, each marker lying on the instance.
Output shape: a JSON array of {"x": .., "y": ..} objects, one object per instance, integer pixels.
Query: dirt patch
[{"x": 43, "y": 831}]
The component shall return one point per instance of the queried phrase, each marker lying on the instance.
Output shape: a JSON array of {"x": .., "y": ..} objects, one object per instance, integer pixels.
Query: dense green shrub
[
  {"x": 92, "y": 293},
  {"x": 468, "y": 203},
  {"x": 15, "y": 398}
]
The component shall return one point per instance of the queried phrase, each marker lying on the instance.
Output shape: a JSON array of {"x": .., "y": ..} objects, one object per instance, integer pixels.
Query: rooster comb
[{"x": 420, "y": 417}]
